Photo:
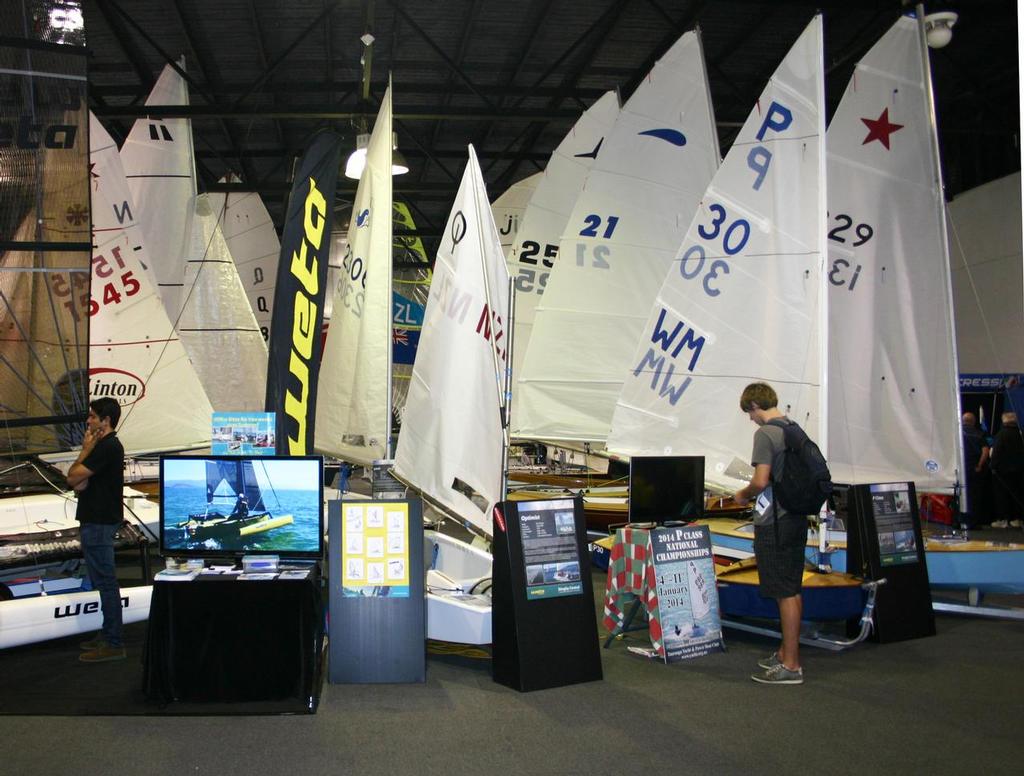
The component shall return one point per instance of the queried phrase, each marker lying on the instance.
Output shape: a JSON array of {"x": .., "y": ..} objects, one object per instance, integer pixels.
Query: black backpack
[{"x": 801, "y": 481}]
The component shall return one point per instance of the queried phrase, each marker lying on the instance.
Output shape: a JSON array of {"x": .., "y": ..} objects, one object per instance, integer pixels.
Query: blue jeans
[{"x": 98, "y": 550}]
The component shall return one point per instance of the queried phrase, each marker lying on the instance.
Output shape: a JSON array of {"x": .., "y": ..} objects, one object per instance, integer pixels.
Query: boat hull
[
  {"x": 39, "y": 618},
  {"x": 220, "y": 528},
  {"x": 989, "y": 567},
  {"x": 458, "y": 590},
  {"x": 824, "y": 597}
]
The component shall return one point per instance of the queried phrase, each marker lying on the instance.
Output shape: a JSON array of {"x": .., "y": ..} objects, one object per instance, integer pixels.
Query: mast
[
  {"x": 389, "y": 307},
  {"x": 823, "y": 289},
  {"x": 944, "y": 269}
]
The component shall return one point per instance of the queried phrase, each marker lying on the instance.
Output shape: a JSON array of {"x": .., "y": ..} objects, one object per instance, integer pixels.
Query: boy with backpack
[{"x": 780, "y": 534}]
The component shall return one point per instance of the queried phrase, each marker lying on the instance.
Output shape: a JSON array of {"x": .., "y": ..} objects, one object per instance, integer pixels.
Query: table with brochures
[{"x": 226, "y": 638}]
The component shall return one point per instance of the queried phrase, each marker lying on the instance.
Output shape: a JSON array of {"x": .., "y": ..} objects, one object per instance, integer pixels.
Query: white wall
[{"x": 988, "y": 277}]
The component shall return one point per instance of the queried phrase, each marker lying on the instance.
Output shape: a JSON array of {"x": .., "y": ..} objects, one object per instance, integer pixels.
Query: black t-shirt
[{"x": 102, "y": 500}]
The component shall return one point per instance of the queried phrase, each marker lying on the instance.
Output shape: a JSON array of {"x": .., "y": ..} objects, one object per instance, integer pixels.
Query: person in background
[
  {"x": 977, "y": 479},
  {"x": 98, "y": 478},
  {"x": 779, "y": 550},
  {"x": 1008, "y": 473}
]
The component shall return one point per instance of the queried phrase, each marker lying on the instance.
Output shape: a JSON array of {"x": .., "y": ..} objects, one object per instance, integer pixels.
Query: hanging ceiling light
[
  {"x": 357, "y": 159},
  {"x": 939, "y": 28}
]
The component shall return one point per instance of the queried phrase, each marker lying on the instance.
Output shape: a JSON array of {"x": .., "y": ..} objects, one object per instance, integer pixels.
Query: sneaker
[
  {"x": 779, "y": 674},
  {"x": 769, "y": 662},
  {"x": 1000, "y": 524},
  {"x": 103, "y": 654},
  {"x": 94, "y": 643},
  {"x": 1016, "y": 524}
]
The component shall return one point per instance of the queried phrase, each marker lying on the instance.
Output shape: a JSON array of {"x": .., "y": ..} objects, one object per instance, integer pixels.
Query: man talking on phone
[{"x": 98, "y": 478}]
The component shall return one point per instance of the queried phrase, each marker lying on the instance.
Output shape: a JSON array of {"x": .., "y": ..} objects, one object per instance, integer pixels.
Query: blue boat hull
[{"x": 989, "y": 571}]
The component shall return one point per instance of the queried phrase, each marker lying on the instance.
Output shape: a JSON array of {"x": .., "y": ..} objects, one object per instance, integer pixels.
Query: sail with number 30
[{"x": 743, "y": 300}]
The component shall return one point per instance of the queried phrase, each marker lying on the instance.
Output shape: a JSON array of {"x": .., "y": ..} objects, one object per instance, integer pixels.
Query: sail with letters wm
[
  {"x": 893, "y": 399},
  {"x": 353, "y": 418},
  {"x": 135, "y": 355},
  {"x": 157, "y": 158},
  {"x": 536, "y": 245},
  {"x": 254, "y": 246},
  {"x": 743, "y": 300},
  {"x": 618, "y": 244},
  {"x": 452, "y": 446}
]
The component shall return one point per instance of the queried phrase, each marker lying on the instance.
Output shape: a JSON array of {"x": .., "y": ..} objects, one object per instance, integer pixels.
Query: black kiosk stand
[
  {"x": 543, "y": 622},
  {"x": 884, "y": 541},
  {"x": 378, "y": 610}
]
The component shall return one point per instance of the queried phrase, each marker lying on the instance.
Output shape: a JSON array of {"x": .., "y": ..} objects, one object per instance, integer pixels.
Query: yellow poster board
[{"x": 375, "y": 548}]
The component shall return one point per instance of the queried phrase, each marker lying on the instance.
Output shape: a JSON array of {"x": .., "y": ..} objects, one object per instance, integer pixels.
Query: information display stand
[
  {"x": 884, "y": 541},
  {"x": 544, "y": 628},
  {"x": 378, "y": 610}
]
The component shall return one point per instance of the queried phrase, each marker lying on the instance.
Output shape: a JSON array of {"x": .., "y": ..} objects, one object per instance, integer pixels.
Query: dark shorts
[{"x": 780, "y": 564}]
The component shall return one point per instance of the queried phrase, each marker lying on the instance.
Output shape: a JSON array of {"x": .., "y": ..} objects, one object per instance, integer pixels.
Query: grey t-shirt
[{"x": 768, "y": 442}]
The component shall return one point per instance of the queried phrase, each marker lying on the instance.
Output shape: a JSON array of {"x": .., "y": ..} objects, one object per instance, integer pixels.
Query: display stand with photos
[
  {"x": 544, "y": 630},
  {"x": 884, "y": 540},
  {"x": 377, "y": 605}
]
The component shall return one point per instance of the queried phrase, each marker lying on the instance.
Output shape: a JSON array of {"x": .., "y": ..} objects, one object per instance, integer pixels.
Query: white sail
[
  {"x": 353, "y": 418},
  {"x": 452, "y": 441},
  {"x": 543, "y": 222},
  {"x": 216, "y": 324},
  {"x": 893, "y": 400},
  {"x": 157, "y": 158},
  {"x": 619, "y": 241},
  {"x": 135, "y": 355},
  {"x": 255, "y": 247},
  {"x": 508, "y": 209},
  {"x": 742, "y": 301}
]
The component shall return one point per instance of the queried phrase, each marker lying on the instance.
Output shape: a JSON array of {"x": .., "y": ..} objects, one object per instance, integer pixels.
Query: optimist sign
[{"x": 687, "y": 597}]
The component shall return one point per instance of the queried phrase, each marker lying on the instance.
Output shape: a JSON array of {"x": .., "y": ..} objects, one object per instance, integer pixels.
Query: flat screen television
[
  {"x": 666, "y": 487},
  {"x": 219, "y": 505}
]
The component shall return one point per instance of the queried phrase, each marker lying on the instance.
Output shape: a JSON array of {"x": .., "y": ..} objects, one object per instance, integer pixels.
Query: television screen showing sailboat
[{"x": 226, "y": 505}]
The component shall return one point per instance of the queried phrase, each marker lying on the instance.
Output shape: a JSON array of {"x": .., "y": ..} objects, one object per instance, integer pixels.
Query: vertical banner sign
[
  {"x": 687, "y": 596},
  {"x": 295, "y": 343}
]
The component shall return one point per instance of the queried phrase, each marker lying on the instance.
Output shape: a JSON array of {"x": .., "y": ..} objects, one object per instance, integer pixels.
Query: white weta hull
[{"x": 28, "y": 620}]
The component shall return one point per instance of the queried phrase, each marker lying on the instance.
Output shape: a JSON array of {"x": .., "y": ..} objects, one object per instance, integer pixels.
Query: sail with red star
[{"x": 893, "y": 401}]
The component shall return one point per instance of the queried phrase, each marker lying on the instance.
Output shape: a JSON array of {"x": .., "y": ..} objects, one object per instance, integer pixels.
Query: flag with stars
[{"x": 893, "y": 406}]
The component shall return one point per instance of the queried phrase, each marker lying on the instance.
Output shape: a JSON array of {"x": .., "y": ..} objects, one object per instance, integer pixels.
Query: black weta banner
[{"x": 295, "y": 342}]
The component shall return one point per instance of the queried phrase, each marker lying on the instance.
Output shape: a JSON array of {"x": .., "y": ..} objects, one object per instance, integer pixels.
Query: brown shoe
[
  {"x": 94, "y": 643},
  {"x": 103, "y": 654}
]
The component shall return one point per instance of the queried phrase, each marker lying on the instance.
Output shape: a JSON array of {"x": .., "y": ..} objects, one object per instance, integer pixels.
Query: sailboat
[
  {"x": 754, "y": 252},
  {"x": 535, "y": 249},
  {"x": 453, "y": 442},
  {"x": 135, "y": 354},
  {"x": 201, "y": 291},
  {"x": 254, "y": 246},
  {"x": 619, "y": 242},
  {"x": 353, "y": 415},
  {"x": 235, "y": 506},
  {"x": 894, "y": 407}
]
